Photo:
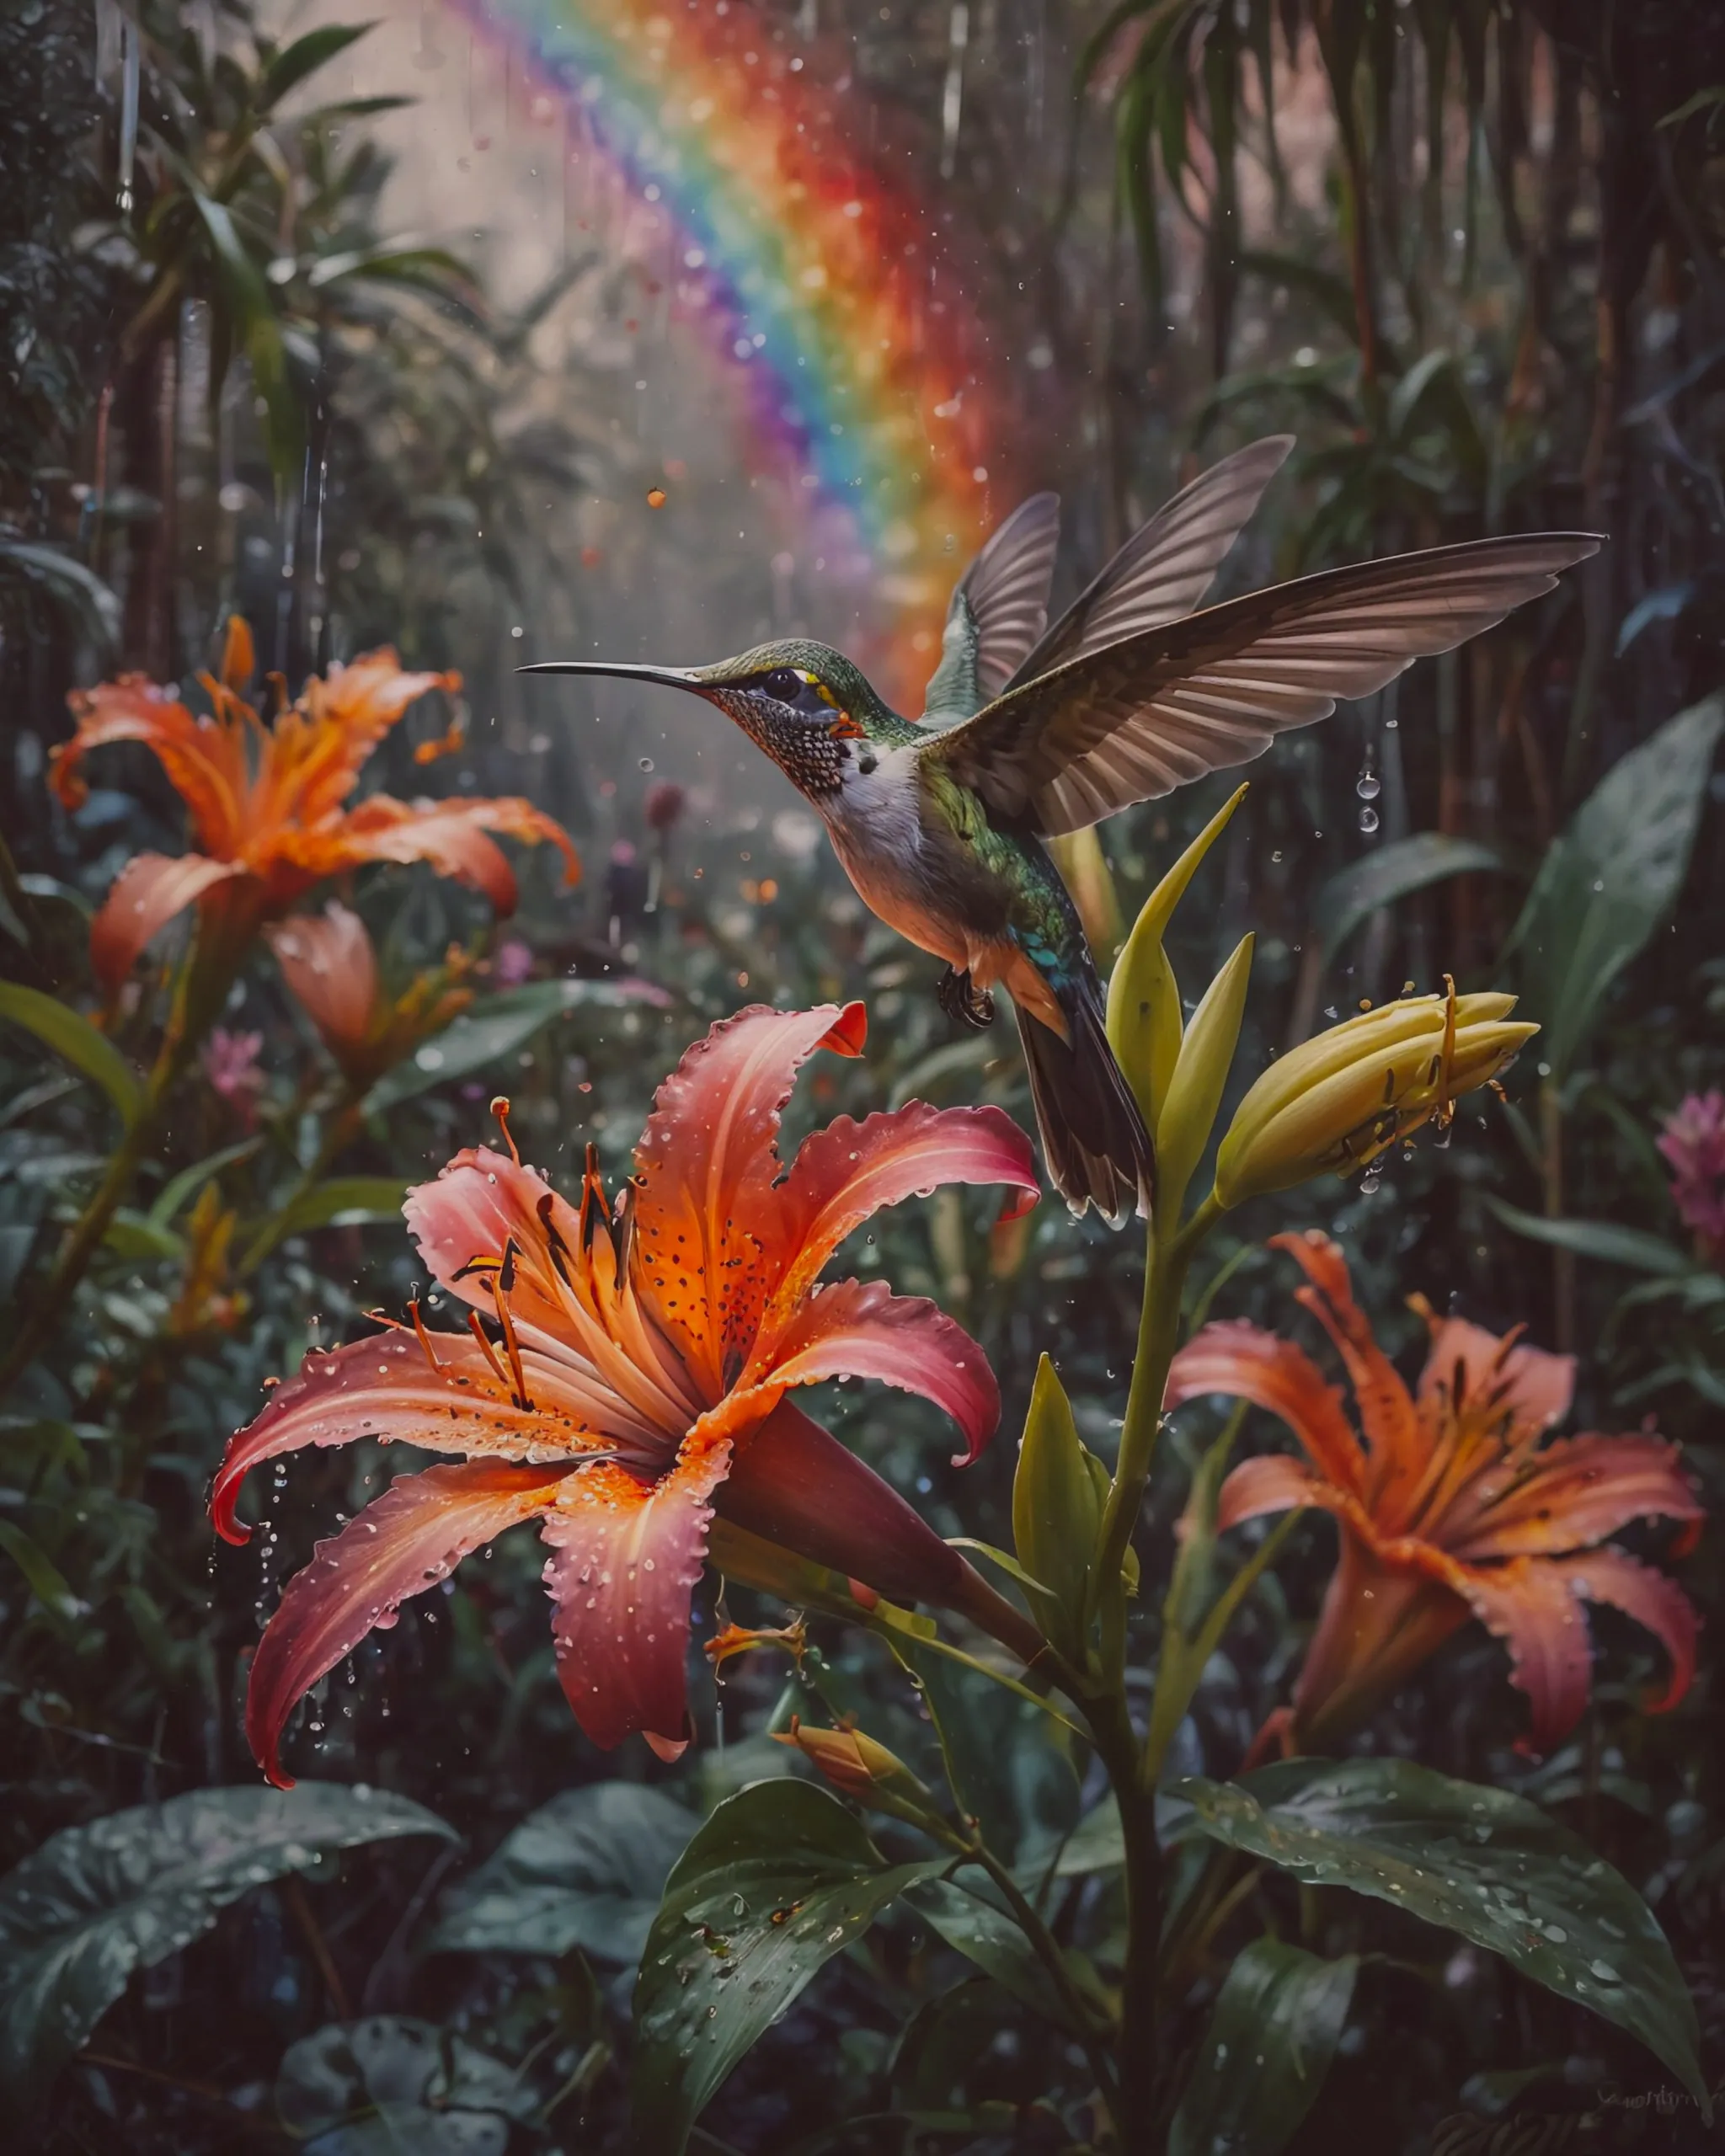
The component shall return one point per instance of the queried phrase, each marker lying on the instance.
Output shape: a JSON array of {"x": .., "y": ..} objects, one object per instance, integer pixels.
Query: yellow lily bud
[
  {"x": 1339, "y": 1100},
  {"x": 861, "y": 1769}
]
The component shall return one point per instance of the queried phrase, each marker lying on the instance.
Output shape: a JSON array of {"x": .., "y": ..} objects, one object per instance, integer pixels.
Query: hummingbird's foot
[{"x": 962, "y": 999}]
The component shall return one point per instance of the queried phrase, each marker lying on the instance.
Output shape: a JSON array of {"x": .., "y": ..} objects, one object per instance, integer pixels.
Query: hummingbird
[{"x": 1029, "y": 732}]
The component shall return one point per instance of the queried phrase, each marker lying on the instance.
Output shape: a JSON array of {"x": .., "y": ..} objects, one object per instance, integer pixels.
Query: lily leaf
[
  {"x": 985, "y": 1933},
  {"x": 1273, "y": 2033},
  {"x": 73, "y": 1038},
  {"x": 586, "y": 1869},
  {"x": 497, "y": 1027},
  {"x": 342, "y": 1202},
  {"x": 47, "y": 1583},
  {"x": 1394, "y": 872},
  {"x": 1633, "y": 1247},
  {"x": 305, "y": 56},
  {"x": 132, "y": 1234},
  {"x": 780, "y": 1879},
  {"x": 96, "y": 1903},
  {"x": 1611, "y": 878},
  {"x": 1475, "y": 1860}
]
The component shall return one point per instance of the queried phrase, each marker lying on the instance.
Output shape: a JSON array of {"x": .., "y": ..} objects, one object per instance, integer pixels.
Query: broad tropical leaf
[
  {"x": 76, "y": 1041},
  {"x": 1394, "y": 872},
  {"x": 1273, "y": 2032},
  {"x": 494, "y": 1029},
  {"x": 586, "y": 1869},
  {"x": 780, "y": 1879},
  {"x": 1607, "y": 883},
  {"x": 388, "y": 2085},
  {"x": 95, "y": 1902},
  {"x": 1475, "y": 1860}
]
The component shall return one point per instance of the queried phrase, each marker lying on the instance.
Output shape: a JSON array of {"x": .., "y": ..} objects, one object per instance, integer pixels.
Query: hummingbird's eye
[{"x": 785, "y": 683}]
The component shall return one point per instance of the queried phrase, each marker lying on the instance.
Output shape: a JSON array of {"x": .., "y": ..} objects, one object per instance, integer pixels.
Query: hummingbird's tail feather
[{"x": 1093, "y": 1139}]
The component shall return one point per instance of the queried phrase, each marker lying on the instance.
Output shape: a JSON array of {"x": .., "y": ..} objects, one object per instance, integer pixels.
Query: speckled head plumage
[{"x": 802, "y": 703}]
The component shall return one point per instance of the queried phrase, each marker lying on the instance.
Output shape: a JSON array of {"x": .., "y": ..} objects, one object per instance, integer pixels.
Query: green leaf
[
  {"x": 1394, "y": 872},
  {"x": 73, "y": 1038},
  {"x": 132, "y": 1234},
  {"x": 780, "y": 1879},
  {"x": 1602, "y": 1239},
  {"x": 76, "y": 588},
  {"x": 304, "y": 57},
  {"x": 95, "y": 1902},
  {"x": 46, "y": 1582},
  {"x": 1475, "y": 1860},
  {"x": 1272, "y": 2034},
  {"x": 1611, "y": 878},
  {"x": 342, "y": 1202},
  {"x": 987, "y": 1934},
  {"x": 390, "y": 2083},
  {"x": 1188, "y": 1113},
  {"x": 487, "y": 1032},
  {"x": 586, "y": 1869},
  {"x": 178, "y": 1189},
  {"x": 1056, "y": 1514},
  {"x": 1145, "y": 1024}
]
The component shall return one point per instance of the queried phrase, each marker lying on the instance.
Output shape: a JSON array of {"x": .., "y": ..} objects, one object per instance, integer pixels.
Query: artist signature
[{"x": 1552, "y": 2133}]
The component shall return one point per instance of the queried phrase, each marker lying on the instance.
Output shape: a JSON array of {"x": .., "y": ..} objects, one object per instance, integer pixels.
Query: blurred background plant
[{"x": 1474, "y": 258}]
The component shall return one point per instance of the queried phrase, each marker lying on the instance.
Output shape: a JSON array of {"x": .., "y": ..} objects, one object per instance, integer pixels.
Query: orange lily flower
[
  {"x": 624, "y": 1375},
  {"x": 1455, "y": 1506},
  {"x": 330, "y": 964},
  {"x": 269, "y": 803}
]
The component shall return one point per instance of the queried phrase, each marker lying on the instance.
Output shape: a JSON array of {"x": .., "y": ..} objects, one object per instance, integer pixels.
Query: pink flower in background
[
  {"x": 1693, "y": 1141},
  {"x": 513, "y": 963},
  {"x": 230, "y": 1062}
]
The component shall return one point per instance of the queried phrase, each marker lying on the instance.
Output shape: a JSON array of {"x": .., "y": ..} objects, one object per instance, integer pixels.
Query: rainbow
[{"x": 863, "y": 373}]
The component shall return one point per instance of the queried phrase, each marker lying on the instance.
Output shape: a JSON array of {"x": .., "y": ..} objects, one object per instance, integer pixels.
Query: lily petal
[
  {"x": 450, "y": 834},
  {"x": 860, "y": 1329},
  {"x": 793, "y": 1483},
  {"x": 346, "y": 715},
  {"x": 403, "y": 1542},
  {"x": 147, "y": 894},
  {"x": 329, "y": 965},
  {"x": 484, "y": 1204},
  {"x": 1534, "y": 1387},
  {"x": 709, "y": 1240},
  {"x": 1398, "y": 1443},
  {"x": 204, "y": 759},
  {"x": 1530, "y": 1604},
  {"x": 1277, "y": 1482},
  {"x": 845, "y": 1173},
  {"x": 388, "y": 1389},
  {"x": 1656, "y": 1603},
  {"x": 1571, "y": 1495},
  {"x": 625, "y": 1556},
  {"x": 1237, "y": 1358}
]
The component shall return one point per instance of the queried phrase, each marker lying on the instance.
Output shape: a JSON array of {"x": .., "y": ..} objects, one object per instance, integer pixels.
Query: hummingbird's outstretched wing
[
  {"x": 1165, "y": 569},
  {"x": 997, "y": 611},
  {"x": 1138, "y": 718}
]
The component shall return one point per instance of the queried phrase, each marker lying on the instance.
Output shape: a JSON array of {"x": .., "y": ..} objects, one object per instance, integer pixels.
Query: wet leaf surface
[
  {"x": 1475, "y": 1860},
  {"x": 96, "y": 1903},
  {"x": 780, "y": 1879}
]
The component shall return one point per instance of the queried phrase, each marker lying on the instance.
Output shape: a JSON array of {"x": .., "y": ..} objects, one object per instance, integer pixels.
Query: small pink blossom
[
  {"x": 230, "y": 1062},
  {"x": 1693, "y": 1141},
  {"x": 514, "y": 962}
]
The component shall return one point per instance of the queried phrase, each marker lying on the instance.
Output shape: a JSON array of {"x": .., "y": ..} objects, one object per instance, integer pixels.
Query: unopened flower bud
[{"x": 1341, "y": 1098}]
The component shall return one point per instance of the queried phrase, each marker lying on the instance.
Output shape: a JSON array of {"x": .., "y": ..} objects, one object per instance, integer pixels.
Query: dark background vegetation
[{"x": 1476, "y": 259}]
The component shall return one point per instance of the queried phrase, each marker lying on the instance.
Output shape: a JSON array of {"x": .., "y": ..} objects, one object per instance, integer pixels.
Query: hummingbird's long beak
[{"x": 670, "y": 677}]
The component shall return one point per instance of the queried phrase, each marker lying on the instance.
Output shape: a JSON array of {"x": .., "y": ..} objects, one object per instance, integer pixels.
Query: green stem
[
  {"x": 1047, "y": 1949},
  {"x": 1117, "y": 1742}
]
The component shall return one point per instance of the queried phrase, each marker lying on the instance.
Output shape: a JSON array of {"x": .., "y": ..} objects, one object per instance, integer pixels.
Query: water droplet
[
  {"x": 1368, "y": 785},
  {"x": 1604, "y": 1970},
  {"x": 1368, "y": 820}
]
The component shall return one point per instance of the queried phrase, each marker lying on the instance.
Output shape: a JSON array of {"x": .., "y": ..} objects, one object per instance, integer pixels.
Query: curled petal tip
[{"x": 849, "y": 1031}]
